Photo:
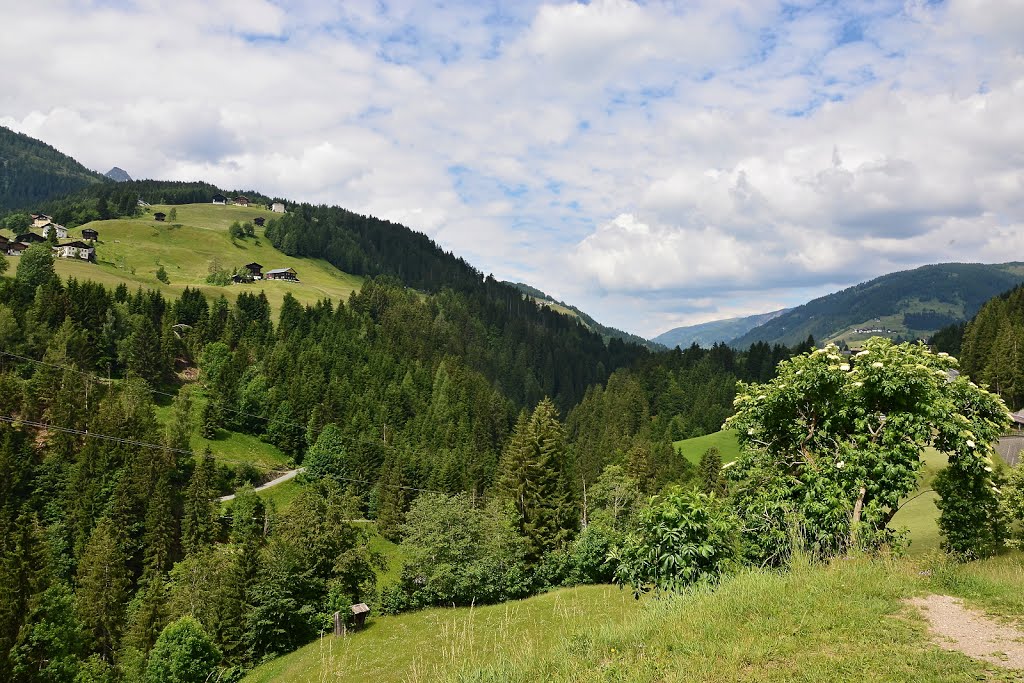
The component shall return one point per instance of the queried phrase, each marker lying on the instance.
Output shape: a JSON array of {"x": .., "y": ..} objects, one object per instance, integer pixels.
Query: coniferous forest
[{"x": 407, "y": 409}]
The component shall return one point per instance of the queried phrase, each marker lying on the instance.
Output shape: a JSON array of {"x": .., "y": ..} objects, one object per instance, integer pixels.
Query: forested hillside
[
  {"x": 991, "y": 345},
  {"x": 389, "y": 398},
  {"x": 908, "y": 304},
  {"x": 714, "y": 332},
  {"x": 605, "y": 331},
  {"x": 32, "y": 171}
]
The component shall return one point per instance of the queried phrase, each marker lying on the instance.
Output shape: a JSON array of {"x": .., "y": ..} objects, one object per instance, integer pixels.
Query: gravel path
[
  {"x": 290, "y": 474},
  {"x": 962, "y": 629}
]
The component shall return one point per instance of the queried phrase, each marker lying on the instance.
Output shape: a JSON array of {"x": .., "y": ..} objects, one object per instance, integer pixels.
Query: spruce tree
[
  {"x": 533, "y": 474},
  {"x": 103, "y": 585},
  {"x": 198, "y": 523},
  {"x": 709, "y": 472}
]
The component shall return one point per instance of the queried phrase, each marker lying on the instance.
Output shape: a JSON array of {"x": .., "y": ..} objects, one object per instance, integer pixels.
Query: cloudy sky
[{"x": 655, "y": 163}]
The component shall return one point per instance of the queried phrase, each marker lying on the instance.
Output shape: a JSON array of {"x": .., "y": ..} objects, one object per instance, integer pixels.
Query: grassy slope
[
  {"x": 422, "y": 646},
  {"x": 842, "y": 622},
  {"x": 845, "y": 621},
  {"x": 724, "y": 441},
  {"x": 131, "y": 251},
  {"x": 229, "y": 448}
]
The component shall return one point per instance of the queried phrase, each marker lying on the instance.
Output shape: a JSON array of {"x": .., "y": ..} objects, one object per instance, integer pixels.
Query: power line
[
  {"x": 133, "y": 442},
  {"x": 101, "y": 380}
]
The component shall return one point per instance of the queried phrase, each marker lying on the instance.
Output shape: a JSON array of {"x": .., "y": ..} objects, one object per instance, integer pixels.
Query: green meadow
[
  {"x": 130, "y": 251},
  {"x": 725, "y": 441}
]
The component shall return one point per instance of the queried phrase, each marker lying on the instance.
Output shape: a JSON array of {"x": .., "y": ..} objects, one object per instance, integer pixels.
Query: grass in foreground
[
  {"x": 427, "y": 645},
  {"x": 844, "y": 621}
]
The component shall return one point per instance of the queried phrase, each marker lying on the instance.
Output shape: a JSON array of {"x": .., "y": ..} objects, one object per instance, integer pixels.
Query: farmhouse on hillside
[
  {"x": 61, "y": 231},
  {"x": 76, "y": 250},
  {"x": 281, "y": 274},
  {"x": 40, "y": 219},
  {"x": 220, "y": 199},
  {"x": 241, "y": 200},
  {"x": 29, "y": 238},
  {"x": 15, "y": 248},
  {"x": 255, "y": 270},
  {"x": 159, "y": 216},
  {"x": 90, "y": 234},
  {"x": 277, "y": 207},
  {"x": 3, "y": 244},
  {"x": 259, "y": 221}
]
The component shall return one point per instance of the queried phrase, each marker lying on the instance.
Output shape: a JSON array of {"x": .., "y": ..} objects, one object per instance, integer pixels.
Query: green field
[
  {"x": 842, "y": 621},
  {"x": 229, "y": 448},
  {"x": 724, "y": 441},
  {"x": 130, "y": 251},
  {"x": 427, "y": 645}
]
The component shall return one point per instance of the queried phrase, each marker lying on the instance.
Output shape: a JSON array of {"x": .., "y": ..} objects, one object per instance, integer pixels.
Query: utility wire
[
  {"x": 133, "y": 442},
  {"x": 101, "y": 380}
]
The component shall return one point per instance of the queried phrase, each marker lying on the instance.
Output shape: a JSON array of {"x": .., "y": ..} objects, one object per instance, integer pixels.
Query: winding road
[{"x": 290, "y": 474}]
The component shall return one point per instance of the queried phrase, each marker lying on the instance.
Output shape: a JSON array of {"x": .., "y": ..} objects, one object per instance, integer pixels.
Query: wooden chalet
[
  {"x": 160, "y": 216},
  {"x": 90, "y": 234},
  {"x": 281, "y": 274},
  {"x": 220, "y": 199},
  {"x": 40, "y": 219},
  {"x": 29, "y": 238},
  {"x": 259, "y": 220},
  {"x": 15, "y": 248},
  {"x": 241, "y": 200},
  {"x": 255, "y": 270}
]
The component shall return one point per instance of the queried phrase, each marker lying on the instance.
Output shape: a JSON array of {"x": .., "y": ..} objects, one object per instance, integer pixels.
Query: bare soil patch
[{"x": 961, "y": 629}]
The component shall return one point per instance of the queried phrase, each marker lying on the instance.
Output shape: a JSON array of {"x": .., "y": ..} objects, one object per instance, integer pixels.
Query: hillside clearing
[
  {"x": 130, "y": 251},
  {"x": 725, "y": 441}
]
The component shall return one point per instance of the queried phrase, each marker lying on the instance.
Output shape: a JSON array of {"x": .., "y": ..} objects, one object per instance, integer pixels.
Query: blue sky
[{"x": 655, "y": 163}]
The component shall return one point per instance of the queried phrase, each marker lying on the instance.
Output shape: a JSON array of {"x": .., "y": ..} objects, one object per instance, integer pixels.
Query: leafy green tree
[
  {"x": 235, "y": 231},
  {"x": 847, "y": 435},
  {"x": 52, "y": 640},
  {"x": 35, "y": 266},
  {"x": 17, "y": 222},
  {"x": 533, "y": 476},
  {"x": 3, "y": 264},
  {"x": 458, "y": 554},
  {"x": 172, "y": 215},
  {"x": 183, "y": 653},
  {"x": 681, "y": 538}
]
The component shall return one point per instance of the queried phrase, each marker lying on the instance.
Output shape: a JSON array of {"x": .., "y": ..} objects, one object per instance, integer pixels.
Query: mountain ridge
[
  {"x": 714, "y": 331},
  {"x": 906, "y": 304}
]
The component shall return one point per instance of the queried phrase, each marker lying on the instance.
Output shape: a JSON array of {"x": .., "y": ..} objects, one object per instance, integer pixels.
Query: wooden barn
[{"x": 282, "y": 274}]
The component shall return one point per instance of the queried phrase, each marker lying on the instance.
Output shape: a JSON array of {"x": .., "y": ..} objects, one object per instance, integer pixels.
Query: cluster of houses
[
  {"x": 76, "y": 249},
  {"x": 242, "y": 200},
  {"x": 254, "y": 271}
]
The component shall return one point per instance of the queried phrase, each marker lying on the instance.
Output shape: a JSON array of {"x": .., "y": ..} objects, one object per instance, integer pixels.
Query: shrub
[{"x": 682, "y": 538}]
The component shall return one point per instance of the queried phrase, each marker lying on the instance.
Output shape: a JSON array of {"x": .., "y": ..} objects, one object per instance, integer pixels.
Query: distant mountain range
[
  {"x": 605, "y": 331},
  {"x": 714, "y": 332},
  {"x": 118, "y": 175},
  {"x": 32, "y": 171},
  {"x": 907, "y": 304}
]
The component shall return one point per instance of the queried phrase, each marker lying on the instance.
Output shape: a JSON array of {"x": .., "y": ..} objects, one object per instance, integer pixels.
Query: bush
[
  {"x": 682, "y": 538},
  {"x": 183, "y": 653},
  {"x": 460, "y": 555},
  {"x": 161, "y": 275}
]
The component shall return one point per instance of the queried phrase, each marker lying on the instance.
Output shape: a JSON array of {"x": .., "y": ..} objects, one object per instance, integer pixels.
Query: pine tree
[
  {"x": 198, "y": 524},
  {"x": 709, "y": 472},
  {"x": 103, "y": 585},
  {"x": 533, "y": 474}
]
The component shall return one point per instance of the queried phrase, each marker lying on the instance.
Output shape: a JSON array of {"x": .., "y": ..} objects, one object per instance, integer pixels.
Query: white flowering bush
[{"x": 845, "y": 436}]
